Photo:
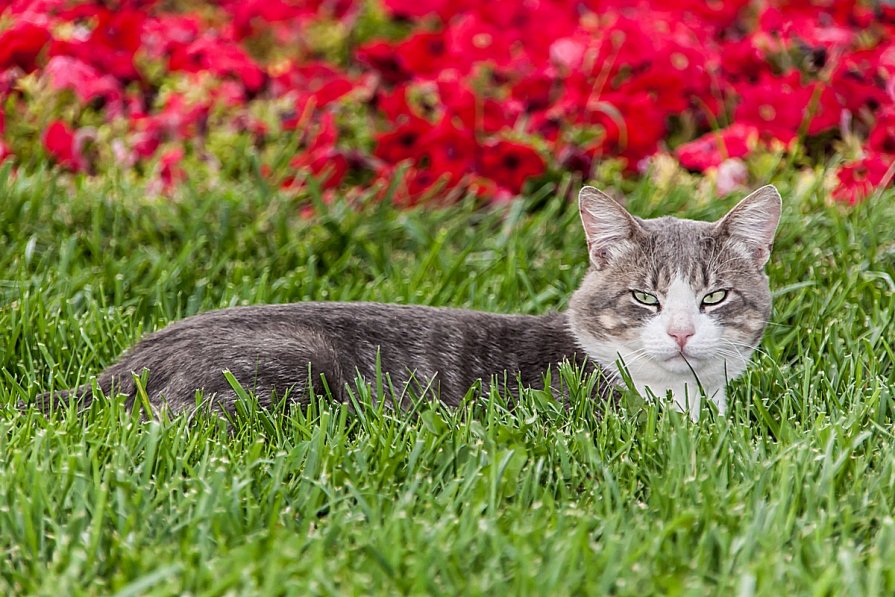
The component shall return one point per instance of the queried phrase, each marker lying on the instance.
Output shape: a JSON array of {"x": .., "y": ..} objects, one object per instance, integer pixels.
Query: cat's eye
[
  {"x": 645, "y": 298},
  {"x": 713, "y": 298}
]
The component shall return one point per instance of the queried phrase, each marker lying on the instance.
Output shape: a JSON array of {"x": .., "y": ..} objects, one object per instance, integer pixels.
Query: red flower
[
  {"x": 569, "y": 52},
  {"x": 380, "y": 57},
  {"x": 812, "y": 25},
  {"x": 319, "y": 80},
  {"x": 119, "y": 31},
  {"x": 477, "y": 114},
  {"x": 415, "y": 9},
  {"x": 709, "y": 150},
  {"x": 146, "y": 143},
  {"x": 414, "y": 186},
  {"x": 176, "y": 120},
  {"x": 419, "y": 184},
  {"x": 487, "y": 190},
  {"x": 536, "y": 91},
  {"x": 323, "y": 134},
  {"x": 882, "y": 135},
  {"x": 393, "y": 103},
  {"x": 856, "y": 83},
  {"x": 112, "y": 44},
  {"x": 166, "y": 32},
  {"x": 5, "y": 151},
  {"x": 666, "y": 88},
  {"x": 249, "y": 15},
  {"x": 403, "y": 142},
  {"x": 778, "y": 106},
  {"x": 471, "y": 40},
  {"x": 315, "y": 85},
  {"x": 70, "y": 73},
  {"x": 577, "y": 160},
  {"x": 859, "y": 179},
  {"x": 171, "y": 172},
  {"x": 532, "y": 25},
  {"x": 825, "y": 110},
  {"x": 451, "y": 150},
  {"x": 716, "y": 14},
  {"x": 625, "y": 39},
  {"x": 21, "y": 44},
  {"x": 633, "y": 126},
  {"x": 510, "y": 164},
  {"x": 328, "y": 165},
  {"x": 860, "y": 78},
  {"x": 548, "y": 125},
  {"x": 589, "y": 79},
  {"x": 320, "y": 156},
  {"x": 742, "y": 60},
  {"x": 423, "y": 53},
  {"x": 220, "y": 57},
  {"x": 59, "y": 142}
]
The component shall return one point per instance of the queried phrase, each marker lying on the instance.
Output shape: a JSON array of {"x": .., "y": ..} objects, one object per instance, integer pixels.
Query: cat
[{"x": 679, "y": 304}]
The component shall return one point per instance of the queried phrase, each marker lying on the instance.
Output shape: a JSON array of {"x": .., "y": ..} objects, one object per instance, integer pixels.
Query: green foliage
[{"x": 793, "y": 492}]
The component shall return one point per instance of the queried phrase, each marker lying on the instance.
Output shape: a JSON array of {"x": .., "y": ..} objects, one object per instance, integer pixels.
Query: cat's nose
[{"x": 681, "y": 335}]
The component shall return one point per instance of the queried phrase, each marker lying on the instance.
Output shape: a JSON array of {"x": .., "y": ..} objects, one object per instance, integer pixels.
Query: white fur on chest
[{"x": 685, "y": 390}]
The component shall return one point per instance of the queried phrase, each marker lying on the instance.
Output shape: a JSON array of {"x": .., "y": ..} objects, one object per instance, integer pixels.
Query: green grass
[{"x": 791, "y": 493}]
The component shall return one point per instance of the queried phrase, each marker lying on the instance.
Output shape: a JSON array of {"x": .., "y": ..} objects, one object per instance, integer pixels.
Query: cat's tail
[
  {"x": 48, "y": 402},
  {"x": 80, "y": 398}
]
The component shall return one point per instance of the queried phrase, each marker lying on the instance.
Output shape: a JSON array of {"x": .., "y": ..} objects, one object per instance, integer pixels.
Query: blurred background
[{"x": 435, "y": 100}]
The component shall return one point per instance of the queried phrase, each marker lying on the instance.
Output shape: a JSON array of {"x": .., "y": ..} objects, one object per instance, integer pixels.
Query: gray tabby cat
[{"x": 681, "y": 303}]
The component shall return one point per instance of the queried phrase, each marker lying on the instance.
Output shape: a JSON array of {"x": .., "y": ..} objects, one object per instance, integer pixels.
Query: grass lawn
[{"x": 792, "y": 493}]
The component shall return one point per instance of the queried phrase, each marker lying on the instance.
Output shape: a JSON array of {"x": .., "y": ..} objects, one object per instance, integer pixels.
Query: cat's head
[{"x": 675, "y": 299}]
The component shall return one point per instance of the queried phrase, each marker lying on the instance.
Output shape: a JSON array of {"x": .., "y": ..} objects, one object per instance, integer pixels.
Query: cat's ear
[
  {"x": 607, "y": 225},
  {"x": 753, "y": 222}
]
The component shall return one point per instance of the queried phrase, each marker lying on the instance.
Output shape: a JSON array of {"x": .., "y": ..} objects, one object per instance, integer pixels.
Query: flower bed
[{"x": 449, "y": 97}]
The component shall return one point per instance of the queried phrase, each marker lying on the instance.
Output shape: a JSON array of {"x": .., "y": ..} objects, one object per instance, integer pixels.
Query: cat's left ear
[
  {"x": 607, "y": 225},
  {"x": 753, "y": 222}
]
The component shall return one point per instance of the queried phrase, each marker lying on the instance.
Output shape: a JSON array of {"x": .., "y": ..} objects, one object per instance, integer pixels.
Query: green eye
[
  {"x": 645, "y": 298},
  {"x": 713, "y": 298}
]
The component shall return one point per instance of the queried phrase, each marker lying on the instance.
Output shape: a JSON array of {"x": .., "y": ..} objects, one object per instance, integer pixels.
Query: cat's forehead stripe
[{"x": 679, "y": 248}]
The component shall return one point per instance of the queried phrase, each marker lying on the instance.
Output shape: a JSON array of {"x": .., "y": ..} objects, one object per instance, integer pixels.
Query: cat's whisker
[
  {"x": 634, "y": 356},
  {"x": 729, "y": 354},
  {"x": 628, "y": 364},
  {"x": 739, "y": 353},
  {"x": 735, "y": 343},
  {"x": 633, "y": 353},
  {"x": 747, "y": 346},
  {"x": 776, "y": 324},
  {"x": 630, "y": 353}
]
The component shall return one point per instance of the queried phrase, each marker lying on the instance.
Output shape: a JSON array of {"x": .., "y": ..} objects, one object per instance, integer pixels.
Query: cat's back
[
  {"x": 347, "y": 326},
  {"x": 337, "y": 316},
  {"x": 273, "y": 346}
]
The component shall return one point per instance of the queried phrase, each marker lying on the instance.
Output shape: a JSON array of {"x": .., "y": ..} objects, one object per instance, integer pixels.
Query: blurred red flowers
[
  {"x": 87, "y": 83},
  {"x": 461, "y": 96},
  {"x": 510, "y": 164},
  {"x": 858, "y": 179},
  {"x": 21, "y": 44},
  {"x": 60, "y": 144},
  {"x": 713, "y": 148}
]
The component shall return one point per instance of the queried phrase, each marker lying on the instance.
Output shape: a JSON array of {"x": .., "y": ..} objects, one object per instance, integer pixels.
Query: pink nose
[{"x": 681, "y": 335}]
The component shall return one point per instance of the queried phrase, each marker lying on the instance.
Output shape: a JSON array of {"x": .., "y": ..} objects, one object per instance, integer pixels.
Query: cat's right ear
[
  {"x": 607, "y": 225},
  {"x": 753, "y": 222}
]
